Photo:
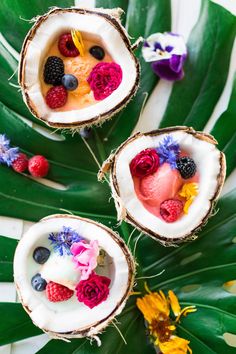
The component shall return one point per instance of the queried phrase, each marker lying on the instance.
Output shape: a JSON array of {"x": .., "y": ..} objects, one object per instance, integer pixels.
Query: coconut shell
[
  {"x": 112, "y": 17},
  {"x": 97, "y": 326},
  {"x": 124, "y": 214}
]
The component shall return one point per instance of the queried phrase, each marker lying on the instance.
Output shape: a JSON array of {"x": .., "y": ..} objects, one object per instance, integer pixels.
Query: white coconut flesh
[
  {"x": 72, "y": 318},
  {"x": 210, "y": 165},
  {"x": 92, "y": 25}
]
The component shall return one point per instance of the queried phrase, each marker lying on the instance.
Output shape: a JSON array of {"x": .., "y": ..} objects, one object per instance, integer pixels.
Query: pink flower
[
  {"x": 93, "y": 291},
  {"x": 85, "y": 257},
  {"x": 145, "y": 163},
  {"x": 104, "y": 79}
]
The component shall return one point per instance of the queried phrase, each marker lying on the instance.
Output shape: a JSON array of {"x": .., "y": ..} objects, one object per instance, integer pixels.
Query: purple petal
[
  {"x": 169, "y": 48},
  {"x": 176, "y": 63},
  {"x": 163, "y": 69},
  {"x": 145, "y": 44},
  {"x": 157, "y": 45},
  {"x": 173, "y": 34}
]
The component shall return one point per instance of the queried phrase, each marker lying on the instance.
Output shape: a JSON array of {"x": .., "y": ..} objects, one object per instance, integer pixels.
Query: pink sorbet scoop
[{"x": 154, "y": 189}]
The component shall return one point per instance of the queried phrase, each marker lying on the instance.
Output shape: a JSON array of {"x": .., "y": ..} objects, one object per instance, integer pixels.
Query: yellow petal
[
  {"x": 175, "y": 345},
  {"x": 187, "y": 204},
  {"x": 78, "y": 41},
  {"x": 185, "y": 311},
  {"x": 189, "y": 191},
  {"x": 153, "y": 305},
  {"x": 174, "y": 303}
]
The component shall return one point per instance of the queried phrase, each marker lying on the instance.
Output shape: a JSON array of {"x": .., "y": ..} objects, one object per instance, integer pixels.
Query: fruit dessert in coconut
[
  {"x": 77, "y": 67},
  {"x": 165, "y": 182},
  {"x": 72, "y": 275}
]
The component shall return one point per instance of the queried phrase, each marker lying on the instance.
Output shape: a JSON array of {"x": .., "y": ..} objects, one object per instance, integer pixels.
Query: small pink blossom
[{"x": 85, "y": 257}]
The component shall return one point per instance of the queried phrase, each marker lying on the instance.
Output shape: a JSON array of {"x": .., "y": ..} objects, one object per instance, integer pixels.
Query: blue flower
[
  {"x": 63, "y": 240},
  {"x": 7, "y": 154},
  {"x": 167, "y": 53},
  {"x": 168, "y": 151}
]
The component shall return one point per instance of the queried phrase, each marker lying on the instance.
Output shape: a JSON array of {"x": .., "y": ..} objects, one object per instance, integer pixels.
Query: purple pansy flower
[
  {"x": 168, "y": 151},
  {"x": 167, "y": 53},
  {"x": 63, "y": 240},
  {"x": 8, "y": 154}
]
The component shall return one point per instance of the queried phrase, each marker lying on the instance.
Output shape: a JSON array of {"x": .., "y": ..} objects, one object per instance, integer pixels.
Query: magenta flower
[
  {"x": 93, "y": 291},
  {"x": 104, "y": 79},
  {"x": 145, "y": 163},
  {"x": 85, "y": 256}
]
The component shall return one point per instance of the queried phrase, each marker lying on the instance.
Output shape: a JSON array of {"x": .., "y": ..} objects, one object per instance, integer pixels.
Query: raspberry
[
  {"x": 20, "y": 164},
  {"x": 53, "y": 70},
  {"x": 56, "y": 97},
  {"x": 57, "y": 292},
  {"x": 38, "y": 166},
  {"x": 186, "y": 166},
  {"x": 66, "y": 46},
  {"x": 171, "y": 209}
]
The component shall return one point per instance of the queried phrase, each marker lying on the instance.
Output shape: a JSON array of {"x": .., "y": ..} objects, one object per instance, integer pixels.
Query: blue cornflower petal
[
  {"x": 168, "y": 151},
  {"x": 4, "y": 141},
  {"x": 7, "y": 153},
  {"x": 63, "y": 240},
  {"x": 9, "y": 156}
]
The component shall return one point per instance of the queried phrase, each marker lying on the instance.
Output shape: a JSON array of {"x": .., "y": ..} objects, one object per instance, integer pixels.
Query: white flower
[{"x": 159, "y": 46}]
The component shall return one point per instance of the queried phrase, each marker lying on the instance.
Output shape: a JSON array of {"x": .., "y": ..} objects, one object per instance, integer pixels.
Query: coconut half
[
  {"x": 101, "y": 26},
  {"x": 71, "y": 318},
  {"x": 210, "y": 164}
]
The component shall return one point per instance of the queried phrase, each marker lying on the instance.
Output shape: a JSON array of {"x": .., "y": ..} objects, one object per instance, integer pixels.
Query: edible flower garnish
[
  {"x": 78, "y": 41},
  {"x": 8, "y": 154},
  {"x": 156, "y": 309},
  {"x": 85, "y": 257},
  {"x": 167, "y": 52},
  {"x": 189, "y": 191},
  {"x": 168, "y": 151},
  {"x": 63, "y": 240}
]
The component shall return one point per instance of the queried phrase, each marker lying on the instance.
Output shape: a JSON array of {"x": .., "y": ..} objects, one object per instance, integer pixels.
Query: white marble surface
[{"x": 185, "y": 16}]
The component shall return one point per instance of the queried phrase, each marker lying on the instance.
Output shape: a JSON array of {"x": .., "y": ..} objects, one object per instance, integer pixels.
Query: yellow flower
[
  {"x": 175, "y": 345},
  {"x": 78, "y": 41},
  {"x": 155, "y": 307},
  {"x": 189, "y": 191}
]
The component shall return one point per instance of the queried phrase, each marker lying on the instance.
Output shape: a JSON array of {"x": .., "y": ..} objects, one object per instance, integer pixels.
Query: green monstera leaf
[{"x": 199, "y": 272}]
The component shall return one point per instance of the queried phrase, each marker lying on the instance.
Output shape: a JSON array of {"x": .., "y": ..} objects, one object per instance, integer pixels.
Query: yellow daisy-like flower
[
  {"x": 189, "y": 191},
  {"x": 155, "y": 307}
]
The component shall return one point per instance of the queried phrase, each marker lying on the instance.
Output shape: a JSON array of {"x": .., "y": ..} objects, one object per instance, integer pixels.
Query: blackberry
[
  {"x": 53, "y": 71},
  {"x": 186, "y": 166}
]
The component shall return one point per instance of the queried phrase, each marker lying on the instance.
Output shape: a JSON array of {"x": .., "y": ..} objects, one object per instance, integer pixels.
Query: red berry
[
  {"x": 171, "y": 209},
  {"x": 38, "y": 166},
  {"x": 21, "y": 163},
  {"x": 57, "y": 292},
  {"x": 66, "y": 46},
  {"x": 56, "y": 97}
]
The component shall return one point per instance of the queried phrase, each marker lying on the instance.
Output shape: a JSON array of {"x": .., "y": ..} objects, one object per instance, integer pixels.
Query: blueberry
[
  {"x": 70, "y": 82},
  {"x": 97, "y": 52},
  {"x": 41, "y": 255},
  {"x": 38, "y": 283},
  {"x": 85, "y": 133}
]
